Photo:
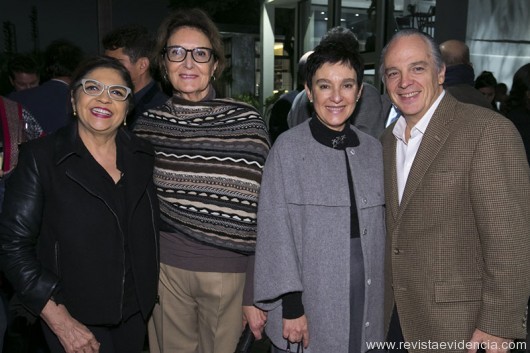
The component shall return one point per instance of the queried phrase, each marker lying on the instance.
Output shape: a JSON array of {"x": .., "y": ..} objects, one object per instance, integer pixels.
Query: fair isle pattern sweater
[{"x": 209, "y": 161}]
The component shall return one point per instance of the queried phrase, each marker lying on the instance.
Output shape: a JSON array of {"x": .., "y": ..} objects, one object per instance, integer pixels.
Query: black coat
[{"x": 59, "y": 230}]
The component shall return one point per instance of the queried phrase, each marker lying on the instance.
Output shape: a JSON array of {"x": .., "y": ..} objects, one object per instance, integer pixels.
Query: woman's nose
[
  {"x": 188, "y": 62},
  {"x": 336, "y": 96}
]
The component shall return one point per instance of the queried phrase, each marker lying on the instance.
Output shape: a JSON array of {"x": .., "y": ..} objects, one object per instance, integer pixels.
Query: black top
[{"x": 65, "y": 228}]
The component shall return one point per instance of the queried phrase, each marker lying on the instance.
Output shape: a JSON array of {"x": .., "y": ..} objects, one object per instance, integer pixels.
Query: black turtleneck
[{"x": 340, "y": 140}]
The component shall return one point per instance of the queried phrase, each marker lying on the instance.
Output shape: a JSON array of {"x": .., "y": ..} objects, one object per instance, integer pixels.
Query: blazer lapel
[
  {"x": 391, "y": 178},
  {"x": 433, "y": 140}
]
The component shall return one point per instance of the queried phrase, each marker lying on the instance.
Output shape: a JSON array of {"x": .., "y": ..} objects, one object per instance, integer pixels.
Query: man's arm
[{"x": 500, "y": 193}]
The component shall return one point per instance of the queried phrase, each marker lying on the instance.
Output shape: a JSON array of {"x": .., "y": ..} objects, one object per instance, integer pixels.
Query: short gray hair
[{"x": 434, "y": 48}]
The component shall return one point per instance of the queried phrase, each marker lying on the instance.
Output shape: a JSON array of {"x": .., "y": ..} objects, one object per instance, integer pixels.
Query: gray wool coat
[{"x": 304, "y": 236}]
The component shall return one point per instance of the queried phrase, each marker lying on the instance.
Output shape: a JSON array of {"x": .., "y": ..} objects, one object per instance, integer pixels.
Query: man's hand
[
  {"x": 296, "y": 330},
  {"x": 74, "y": 336},
  {"x": 492, "y": 344},
  {"x": 255, "y": 318}
]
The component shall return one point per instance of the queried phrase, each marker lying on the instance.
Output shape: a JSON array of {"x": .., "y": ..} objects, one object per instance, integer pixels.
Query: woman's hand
[
  {"x": 74, "y": 336},
  {"x": 255, "y": 318},
  {"x": 295, "y": 330}
]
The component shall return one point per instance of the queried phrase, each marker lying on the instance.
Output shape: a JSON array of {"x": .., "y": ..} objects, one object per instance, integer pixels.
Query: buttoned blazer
[{"x": 457, "y": 245}]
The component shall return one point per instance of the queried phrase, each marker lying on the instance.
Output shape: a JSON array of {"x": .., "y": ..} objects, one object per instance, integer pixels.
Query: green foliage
[
  {"x": 248, "y": 98},
  {"x": 270, "y": 100}
]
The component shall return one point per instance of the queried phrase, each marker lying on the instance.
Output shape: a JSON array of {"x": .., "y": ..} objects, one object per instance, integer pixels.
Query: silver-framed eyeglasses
[
  {"x": 95, "y": 88},
  {"x": 176, "y": 53}
]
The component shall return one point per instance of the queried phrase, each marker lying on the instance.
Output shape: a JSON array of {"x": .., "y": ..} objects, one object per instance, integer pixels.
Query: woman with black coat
[{"x": 79, "y": 229}]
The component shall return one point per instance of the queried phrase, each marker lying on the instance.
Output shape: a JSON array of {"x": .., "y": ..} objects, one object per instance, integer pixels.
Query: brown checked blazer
[{"x": 458, "y": 244}]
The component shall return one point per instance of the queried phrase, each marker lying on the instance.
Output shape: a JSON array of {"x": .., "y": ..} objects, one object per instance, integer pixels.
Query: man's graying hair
[{"x": 434, "y": 49}]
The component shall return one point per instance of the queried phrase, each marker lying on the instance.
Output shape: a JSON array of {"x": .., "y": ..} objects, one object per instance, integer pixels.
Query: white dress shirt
[{"x": 406, "y": 150}]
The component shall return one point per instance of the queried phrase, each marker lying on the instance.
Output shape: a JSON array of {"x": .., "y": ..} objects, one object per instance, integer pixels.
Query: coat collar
[
  {"x": 68, "y": 143},
  {"x": 136, "y": 163}
]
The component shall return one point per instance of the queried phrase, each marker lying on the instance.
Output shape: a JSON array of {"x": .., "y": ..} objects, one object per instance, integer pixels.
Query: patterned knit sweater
[{"x": 209, "y": 160}]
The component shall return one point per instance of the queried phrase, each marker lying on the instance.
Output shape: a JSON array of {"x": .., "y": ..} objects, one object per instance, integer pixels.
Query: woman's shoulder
[
  {"x": 297, "y": 137},
  {"x": 234, "y": 102},
  {"x": 135, "y": 142},
  {"x": 46, "y": 142},
  {"x": 365, "y": 137}
]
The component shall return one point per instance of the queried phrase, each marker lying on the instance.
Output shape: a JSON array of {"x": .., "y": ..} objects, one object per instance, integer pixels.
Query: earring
[
  {"x": 74, "y": 111},
  {"x": 125, "y": 122},
  {"x": 213, "y": 78}
]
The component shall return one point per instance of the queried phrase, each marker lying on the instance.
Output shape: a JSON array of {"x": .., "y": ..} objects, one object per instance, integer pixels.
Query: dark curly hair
[
  {"x": 61, "y": 58},
  {"x": 337, "y": 46},
  {"x": 135, "y": 40}
]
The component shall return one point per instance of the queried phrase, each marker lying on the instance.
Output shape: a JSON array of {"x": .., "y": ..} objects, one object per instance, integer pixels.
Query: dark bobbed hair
[
  {"x": 193, "y": 18},
  {"x": 339, "y": 46},
  {"x": 61, "y": 58},
  {"x": 99, "y": 62},
  {"x": 22, "y": 63},
  {"x": 135, "y": 40},
  {"x": 520, "y": 87},
  {"x": 434, "y": 49},
  {"x": 337, "y": 32},
  {"x": 485, "y": 79}
]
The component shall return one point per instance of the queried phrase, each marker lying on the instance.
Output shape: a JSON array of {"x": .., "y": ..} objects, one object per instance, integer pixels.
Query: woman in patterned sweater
[{"x": 210, "y": 154}]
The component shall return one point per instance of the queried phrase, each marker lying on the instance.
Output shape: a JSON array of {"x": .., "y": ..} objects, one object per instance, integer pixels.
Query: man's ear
[{"x": 143, "y": 64}]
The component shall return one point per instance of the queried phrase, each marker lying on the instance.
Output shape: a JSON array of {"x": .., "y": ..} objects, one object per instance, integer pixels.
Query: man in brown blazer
[{"x": 457, "y": 187}]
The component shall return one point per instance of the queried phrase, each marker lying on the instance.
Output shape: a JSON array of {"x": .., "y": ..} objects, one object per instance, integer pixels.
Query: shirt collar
[
  {"x": 421, "y": 126},
  {"x": 138, "y": 95}
]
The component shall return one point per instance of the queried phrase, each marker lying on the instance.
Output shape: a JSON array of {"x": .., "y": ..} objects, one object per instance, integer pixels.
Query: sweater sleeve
[
  {"x": 248, "y": 291},
  {"x": 292, "y": 306}
]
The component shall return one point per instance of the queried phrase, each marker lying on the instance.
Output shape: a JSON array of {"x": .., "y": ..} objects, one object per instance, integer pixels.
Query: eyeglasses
[
  {"x": 95, "y": 88},
  {"x": 176, "y": 53}
]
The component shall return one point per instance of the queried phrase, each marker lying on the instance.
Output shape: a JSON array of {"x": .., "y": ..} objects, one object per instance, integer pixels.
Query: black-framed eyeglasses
[
  {"x": 176, "y": 53},
  {"x": 95, "y": 88}
]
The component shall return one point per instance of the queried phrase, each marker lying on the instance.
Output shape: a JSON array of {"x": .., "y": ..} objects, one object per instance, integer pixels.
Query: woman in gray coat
[{"x": 320, "y": 248}]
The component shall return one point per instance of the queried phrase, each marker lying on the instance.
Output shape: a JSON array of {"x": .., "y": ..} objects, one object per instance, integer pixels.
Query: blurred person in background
[
  {"x": 133, "y": 45},
  {"x": 459, "y": 73},
  {"x": 49, "y": 103},
  {"x": 486, "y": 83},
  {"x": 23, "y": 72},
  {"x": 518, "y": 105},
  {"x": 16, "y": 127}
]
